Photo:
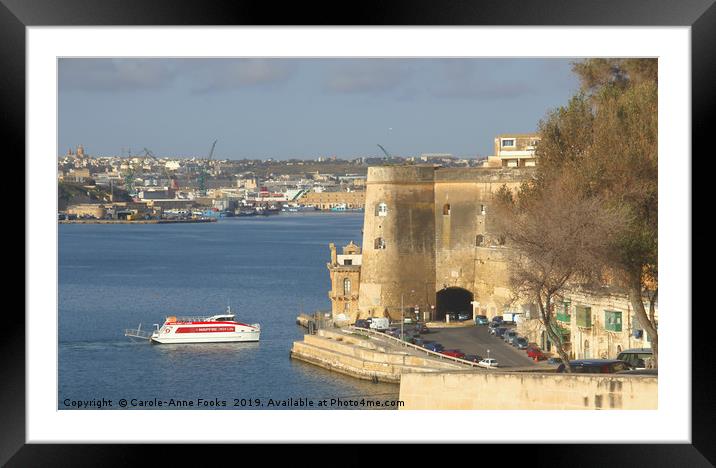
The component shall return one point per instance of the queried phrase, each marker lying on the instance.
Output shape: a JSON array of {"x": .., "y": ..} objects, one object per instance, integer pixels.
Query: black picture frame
[{"x": 16, "y": 15}]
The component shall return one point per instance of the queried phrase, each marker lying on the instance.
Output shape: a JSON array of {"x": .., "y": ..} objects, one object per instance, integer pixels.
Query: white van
[
  {"x": 639, "y": 358},
  {"x": 380, "y": 323}
]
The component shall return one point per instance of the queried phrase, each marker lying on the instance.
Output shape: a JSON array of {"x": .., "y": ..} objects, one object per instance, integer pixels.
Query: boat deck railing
[{"x": 138, "y": 333}]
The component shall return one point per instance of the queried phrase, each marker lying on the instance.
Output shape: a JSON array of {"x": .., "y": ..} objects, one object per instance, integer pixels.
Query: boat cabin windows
[{"x": 223, "y": 318}]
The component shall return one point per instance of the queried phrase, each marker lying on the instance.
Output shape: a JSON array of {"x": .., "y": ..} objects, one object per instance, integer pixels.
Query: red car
[
  {"x": 536, "y": 353},
  {"x": 456, "y": 353}
]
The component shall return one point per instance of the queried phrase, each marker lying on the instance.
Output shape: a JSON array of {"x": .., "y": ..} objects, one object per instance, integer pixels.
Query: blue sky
[{"x": 303, "y": 107}]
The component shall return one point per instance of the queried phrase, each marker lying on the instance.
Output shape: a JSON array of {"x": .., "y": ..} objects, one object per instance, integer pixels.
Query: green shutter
[
  {"x": 612, "y": 320},
  {"x": 563, "y": 314},
  {"x": 584, "y": 316}
]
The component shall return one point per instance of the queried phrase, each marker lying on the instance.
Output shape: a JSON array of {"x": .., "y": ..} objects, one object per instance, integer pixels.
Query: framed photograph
[{"x": 417, "y": 223}]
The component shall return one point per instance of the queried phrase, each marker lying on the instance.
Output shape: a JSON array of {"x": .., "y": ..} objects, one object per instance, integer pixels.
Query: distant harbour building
[
  {"x": 157, "y": 194},
  {"x": 436, "y": 157},
  {"x": 92, "y": 210},
  {"x": 326, "y": 200},
  {"x": 514, "y": 150}
]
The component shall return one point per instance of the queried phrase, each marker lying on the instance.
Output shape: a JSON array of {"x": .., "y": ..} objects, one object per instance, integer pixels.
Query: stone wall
[
  {"x": 398, "y": 248},
  {"x": 526, "y": 391},
  {"x": 429, "y": 237}
]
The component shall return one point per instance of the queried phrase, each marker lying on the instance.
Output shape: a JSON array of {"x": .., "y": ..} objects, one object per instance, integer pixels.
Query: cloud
[
  {"x": 486, "y": 79},
  {"x": 202, "y": 75},
  {"x": 113, "y": 74},
  {"x": 368, "y": 76},
  {"x": 228, "y": 74}
]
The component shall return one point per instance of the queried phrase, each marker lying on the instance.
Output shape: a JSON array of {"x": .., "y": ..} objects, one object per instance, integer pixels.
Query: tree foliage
[{"x": 598, "y": 160}]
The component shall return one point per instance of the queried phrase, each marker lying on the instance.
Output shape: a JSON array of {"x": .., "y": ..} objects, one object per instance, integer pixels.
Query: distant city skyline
[{"x": 283, "y": 108}]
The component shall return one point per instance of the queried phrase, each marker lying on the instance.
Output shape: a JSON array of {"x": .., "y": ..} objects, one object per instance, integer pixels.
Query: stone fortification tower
[
  {"x": 398, "y": 241},
  {"x": 471, "y": 260}
]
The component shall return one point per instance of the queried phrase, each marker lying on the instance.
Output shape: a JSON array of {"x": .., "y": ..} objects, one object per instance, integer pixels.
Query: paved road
[{"x": 476, "y": 340}]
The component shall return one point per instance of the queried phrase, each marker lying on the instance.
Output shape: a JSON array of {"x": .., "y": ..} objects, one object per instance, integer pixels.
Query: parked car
[
  {"x": 536, "y": 353},
  {"x": 500, "y": 331},
  {"x": 408, "y": 338},
  {"x": 451, "y": 315},
  {"x": 436, "y": 347},
  {"x": 481, "y": 320},
  {"x": 421, "y": 328},
  {"x": 489, "y": 362},
  {"x": 456, "y": 353},
  {"x": 419, "y": 341},
  {"x": 509, "y": 335},
  {"x": 361, "y": 323},
  {"x": 595, "y": 366},
  {"x": 636, "y": 357},
  {"x": 462, "y": 316},
  {"x": 380, "y": 323},
  {"x": 520, "y": 343},
  {"x": 497, "y": 319},
  {"x": 473, "y": 357},
  {"x": 394, "y": 332},
  {"x": 554, "y": 361}
]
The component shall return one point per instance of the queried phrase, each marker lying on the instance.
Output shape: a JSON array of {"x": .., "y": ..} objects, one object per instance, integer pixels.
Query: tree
[
  {"x": 555, "y": 234},
  {"x": 603, "y": 145}
]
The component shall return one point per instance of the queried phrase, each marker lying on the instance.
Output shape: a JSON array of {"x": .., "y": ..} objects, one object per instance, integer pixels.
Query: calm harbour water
[{"x": 113, "y": 277}]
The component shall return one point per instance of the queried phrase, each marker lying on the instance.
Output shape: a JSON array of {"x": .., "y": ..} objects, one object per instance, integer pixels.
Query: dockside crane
[
  {"x": 130, "y": 175},
  {"x": 385, "y": 152},
  {"x": 203, "y": 171},
  {"x": 171, "y": 180}
]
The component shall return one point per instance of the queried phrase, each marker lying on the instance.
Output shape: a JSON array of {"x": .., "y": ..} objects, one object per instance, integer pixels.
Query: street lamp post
[
  {"x": 402, "y": 321},
  {"x": 402, "y": 317}
]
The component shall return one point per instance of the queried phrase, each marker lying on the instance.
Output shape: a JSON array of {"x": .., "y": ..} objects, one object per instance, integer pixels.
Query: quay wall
[
  {"x": 362, "y": 358},
  {"x": 527, "y": 391}
]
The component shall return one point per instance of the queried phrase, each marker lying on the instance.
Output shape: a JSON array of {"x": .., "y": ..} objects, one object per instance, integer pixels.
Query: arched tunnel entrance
[{"x": 452, "y": 300}]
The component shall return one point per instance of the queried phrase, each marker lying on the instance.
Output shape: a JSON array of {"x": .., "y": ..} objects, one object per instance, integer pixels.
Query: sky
[{"x": 284, "y": 108}]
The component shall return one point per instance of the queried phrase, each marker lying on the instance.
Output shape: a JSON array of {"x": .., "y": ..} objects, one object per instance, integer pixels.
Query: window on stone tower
[
  {"x": 501, "y": 240},
  {"x": 346, "y": 287},
  {"x": 379, "y": 243},
  {"x": 446, "y": 209},
  {"x": 381, "y": 209},
  {"x": 483, "y": 209},
  {"x": 479, "y": 239}
]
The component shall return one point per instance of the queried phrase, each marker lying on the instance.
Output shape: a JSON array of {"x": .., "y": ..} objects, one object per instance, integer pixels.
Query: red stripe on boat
[{"x": 204, "y": 329}]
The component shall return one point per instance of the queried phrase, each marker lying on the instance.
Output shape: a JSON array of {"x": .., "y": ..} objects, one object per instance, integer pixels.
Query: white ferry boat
[{"x": 220, "y": 328}]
